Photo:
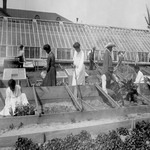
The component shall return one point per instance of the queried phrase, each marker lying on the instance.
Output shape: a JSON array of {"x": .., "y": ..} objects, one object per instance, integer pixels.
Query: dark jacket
[
  {"x": 107, "y": 61},
  {"x": 50, "y": 78}
]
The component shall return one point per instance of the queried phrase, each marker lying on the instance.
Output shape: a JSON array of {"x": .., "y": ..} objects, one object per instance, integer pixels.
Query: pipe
[{"x": 5, "y": 4}]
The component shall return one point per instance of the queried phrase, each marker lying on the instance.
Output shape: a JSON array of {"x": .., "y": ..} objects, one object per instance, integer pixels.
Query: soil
[
  {"x": 97, "y": 104},
  {"x": 60, "y": 107}
]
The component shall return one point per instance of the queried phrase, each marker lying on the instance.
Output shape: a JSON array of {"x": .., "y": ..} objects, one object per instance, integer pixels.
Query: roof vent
[
  {"x": 58, "y": 19},
  {"x": 37, "y": 17}
]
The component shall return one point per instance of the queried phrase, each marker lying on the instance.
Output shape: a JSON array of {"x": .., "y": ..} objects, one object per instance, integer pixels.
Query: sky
[{"x": 116, "y": 13}]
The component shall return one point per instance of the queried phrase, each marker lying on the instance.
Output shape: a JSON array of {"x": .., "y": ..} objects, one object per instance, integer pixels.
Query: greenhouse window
[
  {"x": 32, "y": 52},
  {"x": 64, "y": 53}
]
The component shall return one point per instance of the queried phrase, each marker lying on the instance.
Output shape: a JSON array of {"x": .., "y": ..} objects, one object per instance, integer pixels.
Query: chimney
[
  {"x": 77, "y": 19},
  {"x": 4, "y": 4}
]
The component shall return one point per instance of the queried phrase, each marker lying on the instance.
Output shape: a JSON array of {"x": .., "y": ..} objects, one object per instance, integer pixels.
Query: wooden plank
[
  {"x": 145, "y": 98},
  {"x": 2, "y": 98},
  {"x": 115, "y": 104},
  {"x": 74, "y": 99},
  {"x": 38, "y": 107}
]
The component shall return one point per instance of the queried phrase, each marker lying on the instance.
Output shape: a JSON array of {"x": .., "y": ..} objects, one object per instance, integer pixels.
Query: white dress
[
  {"x": 78, "y": 61},
  {"x": 13, "y": 99}
]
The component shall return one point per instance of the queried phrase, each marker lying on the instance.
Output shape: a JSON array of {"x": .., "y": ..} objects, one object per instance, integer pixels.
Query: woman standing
[
  {"x": 14, "y": 98},
  {"x": 78, "y": 62},
  {"x": 50, "y": 78},
  {"x": 21, "y": 56}
]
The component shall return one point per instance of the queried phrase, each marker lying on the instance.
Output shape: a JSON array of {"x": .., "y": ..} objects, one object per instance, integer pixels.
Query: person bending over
[{"x": 14, "y": 98}]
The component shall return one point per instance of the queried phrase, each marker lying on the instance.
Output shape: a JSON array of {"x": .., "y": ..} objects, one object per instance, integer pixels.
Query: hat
[{"x": 110, "y": 45}]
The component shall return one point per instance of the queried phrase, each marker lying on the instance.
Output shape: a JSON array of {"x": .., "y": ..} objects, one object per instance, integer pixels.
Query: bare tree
[{"x": 148, "y": 17}]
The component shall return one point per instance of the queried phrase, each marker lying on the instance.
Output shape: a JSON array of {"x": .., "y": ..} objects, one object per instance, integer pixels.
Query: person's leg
[
  {"x": 103, "y": 77},
  {"x": 18, "y": 64},
  {"x": 21, "y": 65}
]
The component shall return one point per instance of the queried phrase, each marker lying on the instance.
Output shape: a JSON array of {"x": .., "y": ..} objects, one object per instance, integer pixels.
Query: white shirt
[
  {"x": 139, "y": 77},
  {"x": 16, "y": 93},
  {"x": 78, "y": 61}
]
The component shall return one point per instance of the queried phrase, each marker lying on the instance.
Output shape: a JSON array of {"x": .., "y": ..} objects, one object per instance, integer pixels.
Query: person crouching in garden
[
  {"x": 14, "y": 98},
  {"x": 50, "y": 78}
]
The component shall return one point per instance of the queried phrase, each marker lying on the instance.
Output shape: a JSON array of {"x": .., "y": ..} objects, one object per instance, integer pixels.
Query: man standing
[
  {"x": 107, "y": 70},
  {"x": 50, "y": 78},
  {"x": 91, "y": 58}
]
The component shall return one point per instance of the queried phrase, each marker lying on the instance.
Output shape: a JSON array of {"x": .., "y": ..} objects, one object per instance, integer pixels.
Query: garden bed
[
  {"x": 60, "y": 107},
  {"x": 40, "y": 133},
  {"x": 97, "y": 104}
]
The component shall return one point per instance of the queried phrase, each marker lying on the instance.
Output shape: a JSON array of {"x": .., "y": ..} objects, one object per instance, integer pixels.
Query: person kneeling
[{"x": 14, "y": 98}]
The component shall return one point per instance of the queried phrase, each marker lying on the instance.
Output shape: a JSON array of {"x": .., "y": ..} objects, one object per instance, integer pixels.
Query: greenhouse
[{"x": 34, "y": 33}]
